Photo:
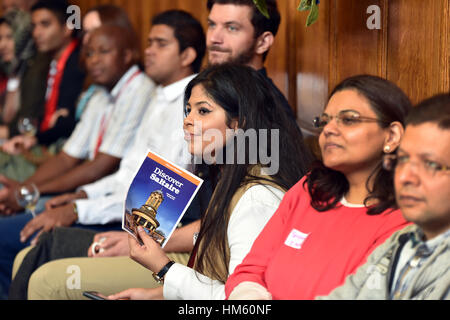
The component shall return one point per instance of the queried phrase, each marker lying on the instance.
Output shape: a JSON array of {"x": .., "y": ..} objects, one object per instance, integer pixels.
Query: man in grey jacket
[{"x": 415, "y": 262}]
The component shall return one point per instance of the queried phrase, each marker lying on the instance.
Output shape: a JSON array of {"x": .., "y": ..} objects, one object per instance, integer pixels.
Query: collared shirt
[
  {"x": 161, "y": 131},
  {"x": 112, "y": 118},
  {"x": 413, "y": 255}
]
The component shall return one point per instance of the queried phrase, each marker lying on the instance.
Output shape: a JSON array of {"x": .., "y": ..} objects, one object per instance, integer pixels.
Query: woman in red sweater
[{"x": 332, "y": 219}]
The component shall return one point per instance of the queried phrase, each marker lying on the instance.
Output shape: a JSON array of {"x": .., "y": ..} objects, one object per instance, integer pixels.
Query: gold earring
[{"x": 387, "y": 149}]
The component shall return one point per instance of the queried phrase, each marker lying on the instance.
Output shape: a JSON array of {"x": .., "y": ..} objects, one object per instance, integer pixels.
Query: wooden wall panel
[
  {"x": 312, "y": 64},
  {"x": 419, "y": 51},
  {"x": 278, "y": 58},
  {"x": 353, "y": 47},
  {"x": 142, "y": 11},
  {"x": 412, "y": 48}
]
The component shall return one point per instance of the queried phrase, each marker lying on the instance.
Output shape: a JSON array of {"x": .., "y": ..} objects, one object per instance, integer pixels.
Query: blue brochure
[{"x": 158, "y": 197}]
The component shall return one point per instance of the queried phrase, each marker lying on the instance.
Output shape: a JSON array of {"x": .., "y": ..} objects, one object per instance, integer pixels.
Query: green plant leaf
[
  {"x": 304, "y": 5},
  {"x": 313, "y": 14},
  {"x": 262, "y": 7}
]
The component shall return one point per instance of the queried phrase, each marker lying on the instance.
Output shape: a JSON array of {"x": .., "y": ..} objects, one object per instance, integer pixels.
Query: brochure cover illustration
[{"x": 158, "y": 197}]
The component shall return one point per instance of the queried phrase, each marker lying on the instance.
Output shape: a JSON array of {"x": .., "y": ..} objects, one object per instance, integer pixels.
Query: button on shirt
[
  {"x": 161, "y": 131},
  {"x": 114, "y": 117}
]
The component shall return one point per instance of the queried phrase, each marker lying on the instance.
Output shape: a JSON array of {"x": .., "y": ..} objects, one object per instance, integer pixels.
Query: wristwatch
[{"x": 159, "y": 277}]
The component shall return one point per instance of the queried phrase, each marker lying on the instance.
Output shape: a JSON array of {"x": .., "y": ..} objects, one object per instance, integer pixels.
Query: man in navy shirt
[{"x": 239, "y": 33}]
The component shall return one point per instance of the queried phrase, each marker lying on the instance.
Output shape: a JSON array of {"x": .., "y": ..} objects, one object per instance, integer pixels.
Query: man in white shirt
[
  {"x": 105, "y": 134},
  {"x": 102, "y": 137},
  {"x": 171, "y": 66},
  {"x": 176, "y": 46},
  {"x": 161, "y": 129},
  {"x": 227, "y": 41}
]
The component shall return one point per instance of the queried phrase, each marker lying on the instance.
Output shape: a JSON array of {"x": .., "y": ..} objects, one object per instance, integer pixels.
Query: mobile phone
[{"x": 94, "y": 295}]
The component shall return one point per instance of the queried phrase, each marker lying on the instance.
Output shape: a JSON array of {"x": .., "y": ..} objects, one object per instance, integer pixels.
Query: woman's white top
[{"x": 252, "y": 212}]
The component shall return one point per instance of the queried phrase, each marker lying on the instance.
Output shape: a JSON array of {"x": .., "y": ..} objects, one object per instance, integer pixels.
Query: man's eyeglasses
[
  {"x": 392, "y": 162},
  {"x": 346, "y": 118}
]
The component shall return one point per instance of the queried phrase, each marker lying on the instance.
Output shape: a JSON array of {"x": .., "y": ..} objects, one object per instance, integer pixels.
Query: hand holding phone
[{"x": 94, "y": 295}]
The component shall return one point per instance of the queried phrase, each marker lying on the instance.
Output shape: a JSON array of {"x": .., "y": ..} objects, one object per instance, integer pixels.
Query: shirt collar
[
  {"x": 263, "y": 71},
  {"x": 345, "y": 203},
  {"x": 174, "y": 90},
  {"x": 119, "y": 85},
  {"x": 417, "y": 237}
]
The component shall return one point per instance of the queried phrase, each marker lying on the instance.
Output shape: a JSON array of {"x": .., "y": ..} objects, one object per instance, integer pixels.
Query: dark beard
[{"x": 245, "y": 57}]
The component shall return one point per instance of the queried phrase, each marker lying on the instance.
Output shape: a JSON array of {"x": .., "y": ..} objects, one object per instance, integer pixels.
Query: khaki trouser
[{"x": 66, "y": 279}]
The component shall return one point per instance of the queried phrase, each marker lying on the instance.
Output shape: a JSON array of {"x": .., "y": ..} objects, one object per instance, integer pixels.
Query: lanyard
[
  {"x": 103, "y": 123},
  {"x": 52, "y": 101},
  {"x": 3, "y": 85}
]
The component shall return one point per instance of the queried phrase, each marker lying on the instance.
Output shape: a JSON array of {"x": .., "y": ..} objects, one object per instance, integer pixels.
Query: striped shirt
[
  {"x": 161, "y": 131},
  {"x": 110, "y": 120}
]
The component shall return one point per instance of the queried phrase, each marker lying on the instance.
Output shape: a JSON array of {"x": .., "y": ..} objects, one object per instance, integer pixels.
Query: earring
[{"x": 387, "y": 149}]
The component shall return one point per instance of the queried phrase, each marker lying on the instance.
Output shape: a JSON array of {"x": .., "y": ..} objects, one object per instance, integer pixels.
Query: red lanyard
[
  {"x": 191, "y": 261},
  {"x": 104, "y": 122},
  {"x": 3, "y": 84},
  {"x": 52, "y": 101}
]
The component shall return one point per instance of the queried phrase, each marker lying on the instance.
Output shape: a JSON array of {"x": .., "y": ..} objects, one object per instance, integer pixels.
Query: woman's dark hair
[
  {"x": 20, "y": 23},
  {"x": 327, "y": 186},
  {"x": 187, "y": 30},
  {"x": 115, "y": 16},
  {"x": 111, "y": 14},
  {"x": 246, "y": 96}
]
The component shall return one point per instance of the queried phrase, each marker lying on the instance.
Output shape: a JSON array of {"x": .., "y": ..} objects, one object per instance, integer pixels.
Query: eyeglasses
[
  {"x": 392, "y": 162},
  {"x": 346, "y": 118}
]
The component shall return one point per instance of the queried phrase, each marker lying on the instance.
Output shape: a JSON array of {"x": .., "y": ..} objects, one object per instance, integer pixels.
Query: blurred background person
[
  {"x": 94, "y": 18},
  {"x": 176, "y": 47},
  {"x": 63, "y": 85},
  {"x": 9, "y": 5},
  {"x": 103, "y": 15},
  {"x": 95, "y": 149},
  {"x": 17, "y": 53}
]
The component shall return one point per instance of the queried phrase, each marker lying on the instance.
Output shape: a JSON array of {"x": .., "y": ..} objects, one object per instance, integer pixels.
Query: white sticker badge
[{"x": 296, "y": 239}]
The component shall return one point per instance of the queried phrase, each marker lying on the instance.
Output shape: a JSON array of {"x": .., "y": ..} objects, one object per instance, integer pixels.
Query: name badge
[{"x": 295, "y": 239}]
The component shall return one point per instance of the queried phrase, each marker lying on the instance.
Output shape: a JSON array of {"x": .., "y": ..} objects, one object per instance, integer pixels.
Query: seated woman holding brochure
[{"x": 226, "y": 106}]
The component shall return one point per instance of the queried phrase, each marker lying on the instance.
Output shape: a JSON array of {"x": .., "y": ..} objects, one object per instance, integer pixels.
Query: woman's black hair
[
  {"x": 327, "y": 186},
  {"x": 247, "y": 97},
  {"x": 20, "y": 24}
]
